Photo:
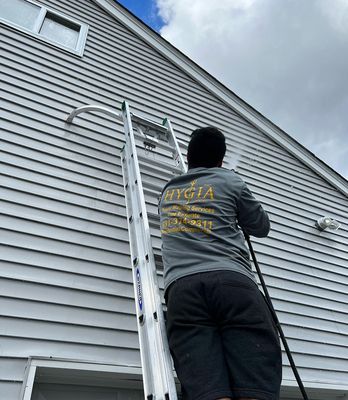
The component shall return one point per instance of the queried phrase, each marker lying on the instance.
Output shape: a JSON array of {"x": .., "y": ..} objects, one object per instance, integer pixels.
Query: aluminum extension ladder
[{"x": 157, "y": 368}]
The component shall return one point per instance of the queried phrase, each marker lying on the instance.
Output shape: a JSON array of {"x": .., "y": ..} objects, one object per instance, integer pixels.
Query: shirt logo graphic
[{"x": 190, "y": 194}]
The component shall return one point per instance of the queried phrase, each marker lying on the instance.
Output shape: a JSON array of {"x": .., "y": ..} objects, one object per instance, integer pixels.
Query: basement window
[{"x": 44, "y": 23}]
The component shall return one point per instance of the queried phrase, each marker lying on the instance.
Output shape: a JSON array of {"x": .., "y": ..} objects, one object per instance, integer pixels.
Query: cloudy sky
[{"x": 288, "y": 59}]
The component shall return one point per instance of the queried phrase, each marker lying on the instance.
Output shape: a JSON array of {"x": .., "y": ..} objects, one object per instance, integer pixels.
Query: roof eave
[{"x": 223, "y": 93}]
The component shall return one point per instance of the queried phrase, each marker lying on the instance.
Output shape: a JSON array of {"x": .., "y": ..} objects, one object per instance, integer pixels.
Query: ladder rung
[
  {"x": 146, "y": 122},
  {"x": 161, "y": 144}
]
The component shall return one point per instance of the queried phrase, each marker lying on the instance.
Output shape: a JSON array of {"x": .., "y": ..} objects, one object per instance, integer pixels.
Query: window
[
  {"x": 56, "y": 28},
  {"x": 44, "y": 23}
]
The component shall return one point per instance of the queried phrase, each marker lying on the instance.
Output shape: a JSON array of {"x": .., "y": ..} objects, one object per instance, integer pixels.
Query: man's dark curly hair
[{"x": 207, "y": 148}]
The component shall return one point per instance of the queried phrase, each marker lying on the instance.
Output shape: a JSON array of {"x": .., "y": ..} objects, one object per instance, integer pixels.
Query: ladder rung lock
[
  {"x": 126, "y": 186},
  {"x": 141, "y": 215},
  {"x": 142, "y": 319},
  {"x": 149, "y": 143},
  {"x": 155, "y": 316},
  {"x": 150, "y": 397},
  {"x": 135, "y": 261},
  {"x": 147, "y": 257},
  {"x": 130, "y": 219},
  {"x": 166, "y": 396},
  {"x": 149, "y": 146},
  {"x": 161, "y": 144}
]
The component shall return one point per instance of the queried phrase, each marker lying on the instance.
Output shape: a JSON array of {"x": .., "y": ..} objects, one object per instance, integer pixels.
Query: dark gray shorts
[{"x": 222, "y": 338}]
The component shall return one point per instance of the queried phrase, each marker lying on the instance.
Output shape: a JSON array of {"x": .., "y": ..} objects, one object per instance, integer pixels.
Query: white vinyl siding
[{"x": 65, "y": 273}]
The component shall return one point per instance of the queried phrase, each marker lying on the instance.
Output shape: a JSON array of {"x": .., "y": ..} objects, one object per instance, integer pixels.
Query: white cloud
[
  {"x": 288, "y": 59},
  {"x": 337, "y": 12}
]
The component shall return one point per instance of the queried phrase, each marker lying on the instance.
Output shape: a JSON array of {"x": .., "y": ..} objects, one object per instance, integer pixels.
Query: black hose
[{"x": 275, "y": 318}]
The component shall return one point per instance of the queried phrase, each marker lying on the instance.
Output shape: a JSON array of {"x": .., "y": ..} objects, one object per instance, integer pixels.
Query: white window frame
[
  {"x": 89, "y": 368},
  {"x": 80, "y": 45}
]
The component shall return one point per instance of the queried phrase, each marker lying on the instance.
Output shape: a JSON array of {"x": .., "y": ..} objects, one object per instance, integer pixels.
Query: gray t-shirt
[{"x": 199, "y": 214}]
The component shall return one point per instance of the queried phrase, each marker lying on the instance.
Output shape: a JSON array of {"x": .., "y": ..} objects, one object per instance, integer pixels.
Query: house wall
[{"x": 65, "y": 277}]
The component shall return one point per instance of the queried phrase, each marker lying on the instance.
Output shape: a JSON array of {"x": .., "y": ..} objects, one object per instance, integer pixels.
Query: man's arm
[{"x": 252, "y": 218}]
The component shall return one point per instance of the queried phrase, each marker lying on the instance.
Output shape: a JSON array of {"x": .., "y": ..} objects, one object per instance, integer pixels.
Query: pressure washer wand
[{"x": 275, "y": 318}]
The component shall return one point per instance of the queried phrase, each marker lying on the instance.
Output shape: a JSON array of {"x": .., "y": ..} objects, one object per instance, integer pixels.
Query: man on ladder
[{"x": 221, "y": 334}]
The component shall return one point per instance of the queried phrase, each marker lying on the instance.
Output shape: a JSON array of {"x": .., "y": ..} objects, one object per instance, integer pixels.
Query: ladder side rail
[
  {"x": 148, "y": 123},
  {"x": 145, "y": 329},
  {"x": 181, "y": 167},
  {"x": 150, "y": 288},
  {"x": 163, "y": 346},
  {"x": 177, "y": 156},
  {"x": 137, "y": 277},
  {"x": 137, "y": 175},
  {"x": 164, "y": 363},
  {"x": 160, "y": 326},
  {"x": 180, "y": 163},
  {"x": 129, "y": 208}
]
